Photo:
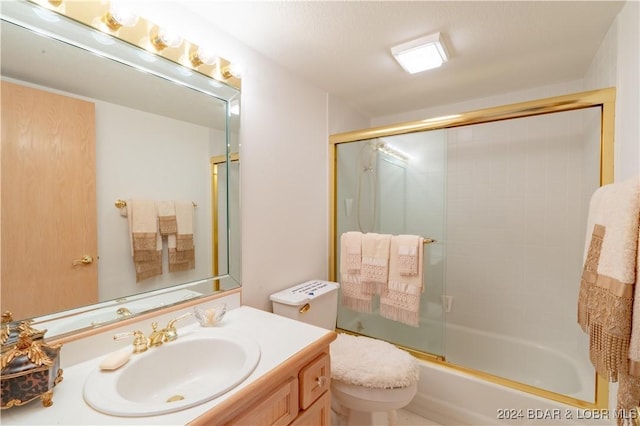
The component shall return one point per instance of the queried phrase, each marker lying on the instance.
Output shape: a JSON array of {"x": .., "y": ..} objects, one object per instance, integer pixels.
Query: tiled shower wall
[{"x": 517, "y": 203}]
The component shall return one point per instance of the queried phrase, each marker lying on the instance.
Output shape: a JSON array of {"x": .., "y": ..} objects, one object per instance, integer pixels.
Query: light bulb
[
  {"x": 161, "y": 38},
  {"x": 202, "y": 55},
  {"x": 119, "y": 16}
]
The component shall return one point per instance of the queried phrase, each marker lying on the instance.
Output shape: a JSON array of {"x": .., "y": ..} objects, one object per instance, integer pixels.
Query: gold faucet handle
[
  {"x": 7, "y": 317},
  {"x": 140, "y": 342},
  {"x": 157, "y": 337},
  {"x": 171, "y": 333}
]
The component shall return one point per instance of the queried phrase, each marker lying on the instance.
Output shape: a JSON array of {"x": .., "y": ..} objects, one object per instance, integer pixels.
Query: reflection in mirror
[{"x": 66, "y": 247}]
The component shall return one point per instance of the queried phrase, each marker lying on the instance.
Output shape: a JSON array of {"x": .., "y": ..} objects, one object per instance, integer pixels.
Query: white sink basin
[{"x": 196, "y": 368}]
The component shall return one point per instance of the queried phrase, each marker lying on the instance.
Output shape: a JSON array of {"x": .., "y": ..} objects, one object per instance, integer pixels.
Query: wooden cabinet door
[
  {"x": 318, "y": 414},
  {"x": 48, "y": 202},
  {"x": 277, "y": 408}
]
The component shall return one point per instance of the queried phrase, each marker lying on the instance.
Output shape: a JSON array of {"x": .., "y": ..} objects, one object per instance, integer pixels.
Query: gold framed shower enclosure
[
  {"x": 215, "y": 163},
  {"x": 603, "y": 98}
]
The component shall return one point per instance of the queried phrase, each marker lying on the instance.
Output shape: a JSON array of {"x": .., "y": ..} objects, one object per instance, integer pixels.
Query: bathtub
[
  {"x": 452, "y": 397},
  {"x": 449, "y": 396},
  {"x": 521, "y": 361}
]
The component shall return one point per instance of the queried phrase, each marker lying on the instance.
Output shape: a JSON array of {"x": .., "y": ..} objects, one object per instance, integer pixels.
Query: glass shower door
[{"x": 396, "y": 185}]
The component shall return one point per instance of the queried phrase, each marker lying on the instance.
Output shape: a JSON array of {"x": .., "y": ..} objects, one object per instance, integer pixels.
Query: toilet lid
[{"x": 373, "y": 363}]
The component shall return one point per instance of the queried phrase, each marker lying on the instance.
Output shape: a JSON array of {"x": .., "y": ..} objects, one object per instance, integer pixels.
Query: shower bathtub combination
[{"x": 502, "y": 196}]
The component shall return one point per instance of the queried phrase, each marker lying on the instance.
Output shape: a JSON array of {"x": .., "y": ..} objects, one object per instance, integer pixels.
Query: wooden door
[{"x": 48, "y": 202}]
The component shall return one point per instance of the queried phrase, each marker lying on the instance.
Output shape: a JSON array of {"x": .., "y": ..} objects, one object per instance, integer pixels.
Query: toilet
[{"x": 368, "y": 376}]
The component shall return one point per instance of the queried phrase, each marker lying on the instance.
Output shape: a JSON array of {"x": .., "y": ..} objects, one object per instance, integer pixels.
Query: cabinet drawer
[
  {"x": 314, "y": 380},
  {"x": 280, "y": 407}
]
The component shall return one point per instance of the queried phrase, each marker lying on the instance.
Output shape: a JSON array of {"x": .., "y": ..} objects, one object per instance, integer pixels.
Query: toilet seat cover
[{"x": 373, "y": 363}]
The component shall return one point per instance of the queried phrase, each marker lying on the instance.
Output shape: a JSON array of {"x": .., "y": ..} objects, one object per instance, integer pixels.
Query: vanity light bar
[{"x": 102, "y": 15}]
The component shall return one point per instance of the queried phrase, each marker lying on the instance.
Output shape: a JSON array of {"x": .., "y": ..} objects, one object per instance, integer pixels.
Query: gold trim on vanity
[{"x": 603, "y": 98}]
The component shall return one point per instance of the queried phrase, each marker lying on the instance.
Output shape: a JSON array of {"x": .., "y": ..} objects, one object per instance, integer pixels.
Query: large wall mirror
[{"x": 147, "y": 129}]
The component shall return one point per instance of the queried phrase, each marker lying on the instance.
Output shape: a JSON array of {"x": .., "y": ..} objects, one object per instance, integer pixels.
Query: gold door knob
[{"x": 84, "y": 260}]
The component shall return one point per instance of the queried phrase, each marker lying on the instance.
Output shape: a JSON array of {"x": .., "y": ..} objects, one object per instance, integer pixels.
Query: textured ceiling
[{"x": 343, "y": 47}]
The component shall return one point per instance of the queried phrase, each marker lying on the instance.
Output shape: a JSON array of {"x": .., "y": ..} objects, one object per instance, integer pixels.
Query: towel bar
[
  {"x": 429, "y": 241},
  {"x": 122, "y": 204}
]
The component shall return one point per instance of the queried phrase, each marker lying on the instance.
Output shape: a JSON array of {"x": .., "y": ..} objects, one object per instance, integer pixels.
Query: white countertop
[{"x": 279, "y": 339}]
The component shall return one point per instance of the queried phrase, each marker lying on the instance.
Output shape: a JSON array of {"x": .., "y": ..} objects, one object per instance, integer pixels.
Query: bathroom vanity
[
  {"x": 289, "y": 385},
  {"x": 295, "y": 393}
]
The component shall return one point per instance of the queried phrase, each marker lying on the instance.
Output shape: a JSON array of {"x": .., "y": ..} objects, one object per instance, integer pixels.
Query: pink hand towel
[
  {"x": 351, "y": 252},
  {"x": 181, "y": 246},
  {"x": 375, "y": 262},
  {"x": 408, "y": 247},
  {"x": 146, "y": 241},
  {"x": 353, "y": 295},
  {"x": 400, "y": 300}
]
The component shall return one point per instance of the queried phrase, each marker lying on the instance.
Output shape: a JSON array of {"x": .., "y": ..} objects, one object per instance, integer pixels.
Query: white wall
[
  {"x": 284, "y": 157},
  {"x": 142, "y": 155},
  {"x": 342, "y": 118},
  {"x": 284, "y": 131},
  {"x": 617, "y": 63}
]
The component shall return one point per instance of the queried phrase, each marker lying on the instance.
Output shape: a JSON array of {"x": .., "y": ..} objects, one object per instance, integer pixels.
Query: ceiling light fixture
[{"x": 421, "y": 54}]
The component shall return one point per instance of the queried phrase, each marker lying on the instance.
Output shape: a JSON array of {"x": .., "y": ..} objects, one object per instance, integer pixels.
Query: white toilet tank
[{"x": 314, "y": 302}]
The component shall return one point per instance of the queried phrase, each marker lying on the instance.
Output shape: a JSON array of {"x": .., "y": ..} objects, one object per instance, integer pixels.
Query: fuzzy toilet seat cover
[{"x": 373, "y": 363}]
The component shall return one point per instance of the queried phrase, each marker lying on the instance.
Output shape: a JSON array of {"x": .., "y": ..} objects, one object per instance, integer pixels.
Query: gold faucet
[
  {"x": 140, "y": 341},
  {"x": 170, "y": 332},
  {"x": 157, "y": 337},
  {"x": 123, "y": 312}
]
